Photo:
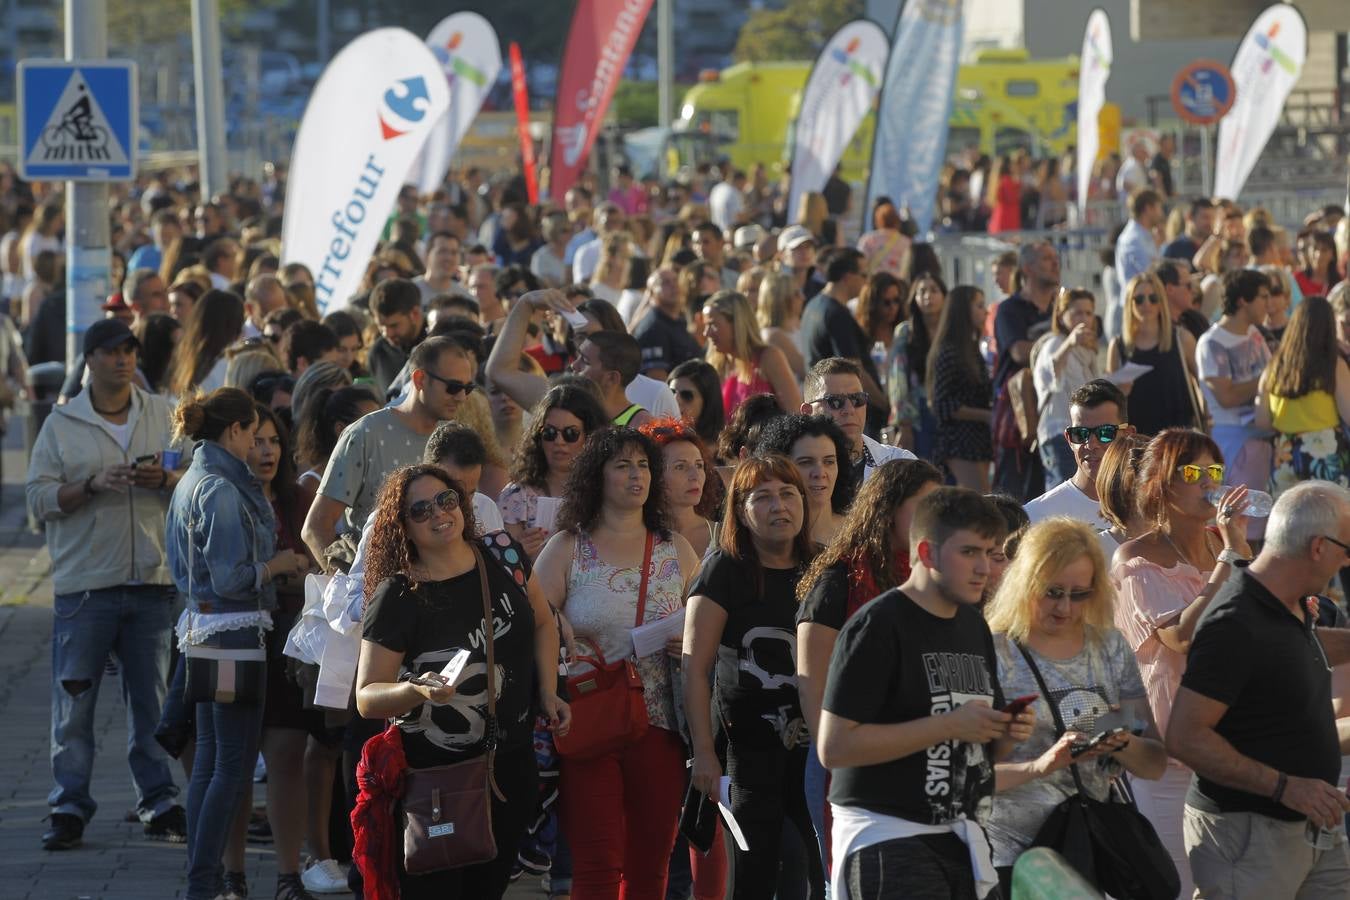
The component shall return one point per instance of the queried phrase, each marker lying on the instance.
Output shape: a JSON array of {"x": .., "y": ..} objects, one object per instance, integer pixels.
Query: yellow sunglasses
[{"x": 1191, "y": 473}]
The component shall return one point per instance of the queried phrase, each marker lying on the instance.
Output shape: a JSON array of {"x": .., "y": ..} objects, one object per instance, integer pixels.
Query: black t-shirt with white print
[
  {"x": 429, "y": 627},
  {"x": 897, "y": 662},
  {"x": 756, "y": 696}
]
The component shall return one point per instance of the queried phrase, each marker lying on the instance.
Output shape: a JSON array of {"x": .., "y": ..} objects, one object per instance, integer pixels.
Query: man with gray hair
[
  {"x": 262, "y": 295},
  {"x": 1255, "y": 718},
  {"x": 143, "y": 290}
]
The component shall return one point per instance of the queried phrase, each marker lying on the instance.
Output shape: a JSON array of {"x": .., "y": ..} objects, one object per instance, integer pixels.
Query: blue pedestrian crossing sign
[{"x": 77, "y": 119}]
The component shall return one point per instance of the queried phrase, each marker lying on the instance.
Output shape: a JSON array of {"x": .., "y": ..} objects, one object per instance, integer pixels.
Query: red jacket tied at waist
[{"x": 378, "y": 839}]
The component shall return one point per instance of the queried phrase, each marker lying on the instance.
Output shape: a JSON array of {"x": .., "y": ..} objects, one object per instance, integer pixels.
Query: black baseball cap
[{"x": 106, "y": 334}]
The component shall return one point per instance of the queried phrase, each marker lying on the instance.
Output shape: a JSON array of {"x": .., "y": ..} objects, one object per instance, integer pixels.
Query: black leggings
[
  {"x": 517, "y": 776},
  {"x": 766, "y": 792}
]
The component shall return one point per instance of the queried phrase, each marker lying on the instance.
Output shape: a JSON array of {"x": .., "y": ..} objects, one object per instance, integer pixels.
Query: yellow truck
[{"x": 1004, "y": 101}]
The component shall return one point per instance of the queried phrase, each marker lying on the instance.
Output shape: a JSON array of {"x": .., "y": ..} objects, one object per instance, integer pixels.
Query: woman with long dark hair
[
  {"x": 1321, "y": 273},
  {"x": 698, "y": 392},
  {"x": 1304, "y": 396},
  {"x": 868, "y": 556},
  {"x": 740, "y": 622},
  {"x": 159, "y": 335},
  {"x": 517, "y": 237},
  {"x": 561, "y": 423},
  {"x": 221, "y": 550},
  {"x": 960, "y": 391},
  {"x": 320, "y": 422},
  {"x": 907, "y": 365},
  {"x": 199, "y": 362},
  {"x": 615, "y": 564},
  {"x": 424, "y": 575},
  {"x": 880, "y": 308}
]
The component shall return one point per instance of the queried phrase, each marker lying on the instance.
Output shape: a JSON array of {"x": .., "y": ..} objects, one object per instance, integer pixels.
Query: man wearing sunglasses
[
  {"x": 387, "y": 439},
  {"x": 1097, "y": 416},
  {"x": 1255, "y": 715},
  {"x": 834, "y": 387}
]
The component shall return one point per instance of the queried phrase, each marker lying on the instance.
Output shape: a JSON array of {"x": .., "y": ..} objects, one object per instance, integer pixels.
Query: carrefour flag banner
[
  {"x": 916, "y": 100},
  {"x": 599, "y": 43},
  {"x": 1093, "y": 70},
  {"x": 469, "y": 55},
  {"x": 1265, "y": 69},
  {"x": 843, "y": 84},
  {"x": 366, "y": 121}
]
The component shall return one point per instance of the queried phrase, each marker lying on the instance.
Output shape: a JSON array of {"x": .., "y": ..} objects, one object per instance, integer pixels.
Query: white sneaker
[{"x": 325, "y": 877}]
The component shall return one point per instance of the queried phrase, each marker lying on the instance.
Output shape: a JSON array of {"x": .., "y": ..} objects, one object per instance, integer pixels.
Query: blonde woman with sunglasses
[
  {"x": 1165, "y": 580},
  {"x": 1162, "y": 397}
]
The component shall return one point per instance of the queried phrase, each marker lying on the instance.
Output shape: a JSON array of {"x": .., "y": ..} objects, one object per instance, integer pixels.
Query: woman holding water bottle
[
  {"x": 1165, "y": 579},
  {"x": 1304, "y": 396}
]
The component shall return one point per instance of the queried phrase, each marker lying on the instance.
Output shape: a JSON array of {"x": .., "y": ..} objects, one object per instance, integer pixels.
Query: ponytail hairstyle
[
  {"x": 316, "y": 431},
  {"x": 206, "y": 418}
]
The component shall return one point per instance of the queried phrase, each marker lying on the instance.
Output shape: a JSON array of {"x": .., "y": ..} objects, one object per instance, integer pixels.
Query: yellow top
[{"x": 1314, "y": 411}]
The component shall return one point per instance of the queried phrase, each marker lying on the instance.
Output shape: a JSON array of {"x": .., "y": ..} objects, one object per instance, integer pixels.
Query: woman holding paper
[
  {"x": 615, "y": 564},
  {"x": 424, "y": 606},
  {"x": 741, "y": 621},
  {"x": 1164, "y": 396},
  {"x": 1064, "y": 363},
  {"x": 559, "y": 426}
]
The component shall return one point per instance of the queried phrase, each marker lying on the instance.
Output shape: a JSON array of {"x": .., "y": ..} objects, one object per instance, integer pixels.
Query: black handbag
[
  {"x": 1111, "y": 844},
  {"x": 217, "y": 675}
]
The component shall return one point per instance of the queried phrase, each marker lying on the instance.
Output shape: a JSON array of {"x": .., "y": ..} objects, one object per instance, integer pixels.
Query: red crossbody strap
[{"x": 642, "y": 588}]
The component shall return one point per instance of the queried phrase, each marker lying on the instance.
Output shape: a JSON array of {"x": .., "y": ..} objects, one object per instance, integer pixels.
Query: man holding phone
[
  {"x": 96, "y": 481},
  {"x": 912, "y": 722}
]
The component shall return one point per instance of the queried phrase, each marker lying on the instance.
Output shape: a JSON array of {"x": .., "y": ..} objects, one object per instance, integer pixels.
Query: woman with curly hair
[
  {"x": 740, "y": 623},
  {"x": 869, "y": 555},
  {"x": 817, "y": 447},
  {"x": 691, "y": 496},
  {"x": 559, "y": 426},
  {"x": 424, "y": 605},
  {"x": 615, "y": 564}
]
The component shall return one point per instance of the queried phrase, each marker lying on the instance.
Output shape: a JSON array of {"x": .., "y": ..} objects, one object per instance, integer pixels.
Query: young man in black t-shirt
[{"x": 910, "y": 726}]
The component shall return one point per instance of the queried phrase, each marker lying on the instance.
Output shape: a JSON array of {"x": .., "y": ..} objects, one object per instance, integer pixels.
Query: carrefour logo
[
  {"x": 404, "y": 105},
  {"x": 1274, "y": 55},
  {"x": 845, "y": 58}
]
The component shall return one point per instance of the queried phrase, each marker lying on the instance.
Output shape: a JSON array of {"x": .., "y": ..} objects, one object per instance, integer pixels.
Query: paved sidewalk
[{"x": 115, "y": 862}]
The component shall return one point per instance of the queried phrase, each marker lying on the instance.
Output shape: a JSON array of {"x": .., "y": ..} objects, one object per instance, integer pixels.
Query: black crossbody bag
[{"x": 1112, "y": 845}]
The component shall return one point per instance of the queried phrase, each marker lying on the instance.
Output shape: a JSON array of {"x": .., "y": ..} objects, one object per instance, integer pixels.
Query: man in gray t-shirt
[{"x": 375, "y": 445}]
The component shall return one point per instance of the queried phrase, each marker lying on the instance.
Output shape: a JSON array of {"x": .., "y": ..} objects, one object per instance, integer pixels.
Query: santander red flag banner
[
  {"x": 366, "y": 121},
  {"x": 520, "y": 93},
  {"x": 599, "y": 43}
]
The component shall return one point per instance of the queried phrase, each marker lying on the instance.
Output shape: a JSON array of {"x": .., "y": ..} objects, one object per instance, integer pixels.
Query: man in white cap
[
  {"x": 796, "y": 253},
  {"x": 746, "y": 237}
]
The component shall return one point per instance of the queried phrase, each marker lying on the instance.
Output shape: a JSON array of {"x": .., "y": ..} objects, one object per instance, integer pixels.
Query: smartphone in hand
[{"x": 1018, "y": 706}]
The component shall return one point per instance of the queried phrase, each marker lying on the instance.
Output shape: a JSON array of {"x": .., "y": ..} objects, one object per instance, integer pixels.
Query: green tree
[{"x": 797, "y": 31}]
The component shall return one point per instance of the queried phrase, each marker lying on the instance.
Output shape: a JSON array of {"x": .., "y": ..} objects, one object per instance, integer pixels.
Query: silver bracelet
[{"x": 1230, "y": 556}]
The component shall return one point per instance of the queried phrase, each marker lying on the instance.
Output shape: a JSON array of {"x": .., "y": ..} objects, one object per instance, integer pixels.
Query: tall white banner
[
  {"x": 916, "y": 101},
  {"x": 843, "y": 84},
  {"x": 1265, "y": 68},
  {"x": 366, "y": 121},
  {"x": 469, "y": 54},
  {"x": 1093, "y": 70}
]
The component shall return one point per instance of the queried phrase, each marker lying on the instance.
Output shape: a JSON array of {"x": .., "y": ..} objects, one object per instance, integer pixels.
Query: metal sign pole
[
  {"x": 1206, "y": 162},
  {"x": 88, "y": 255}
]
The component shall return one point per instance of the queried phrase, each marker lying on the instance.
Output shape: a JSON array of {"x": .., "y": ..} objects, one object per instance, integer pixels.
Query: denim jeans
[
  {"x": 1057, "y": 457},
  {"x": 816, "y": 783},
  {"x": 227, "y": 746},
  {"x": 134, "y": 623}
]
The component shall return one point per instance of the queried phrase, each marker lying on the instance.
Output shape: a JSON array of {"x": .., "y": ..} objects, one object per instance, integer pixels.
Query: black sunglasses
[
  {"x": 1056, "y": 593},
  {"x": 1079, "y": 434},
  {"x": 857, "y": 399},
  {"x": 1147, "y": 298},
  {"x": 453, "y": 386},
  {"x": 570, "y": 433},
  {"x": 446, "y": 501}
]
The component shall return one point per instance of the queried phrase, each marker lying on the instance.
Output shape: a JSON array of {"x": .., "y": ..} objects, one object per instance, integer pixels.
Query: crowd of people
[{"x": 643, "y": 501}]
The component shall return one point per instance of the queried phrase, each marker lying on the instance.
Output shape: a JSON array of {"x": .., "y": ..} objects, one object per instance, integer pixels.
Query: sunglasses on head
[
  {"x": 858, "y": 399},
  {"x": 1190, "y": 473},
  {"x": 1147, "y": 298},
  {"x": 1079, "y": 434},
  {"x": 446, "y": 501},
  {"x": 453, "y": 386},
  {"x": 570, "y": 433},
  {"x": 1056, "y": 593}
]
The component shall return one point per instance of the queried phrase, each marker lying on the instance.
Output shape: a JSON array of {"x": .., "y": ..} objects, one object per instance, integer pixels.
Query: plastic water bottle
[
  {"x": 879, "y": 357},
  {"x": 1258, "y": 502}
]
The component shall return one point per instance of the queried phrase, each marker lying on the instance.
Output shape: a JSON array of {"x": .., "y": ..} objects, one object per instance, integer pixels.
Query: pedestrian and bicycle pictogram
[{"x": 76, "y": 119}]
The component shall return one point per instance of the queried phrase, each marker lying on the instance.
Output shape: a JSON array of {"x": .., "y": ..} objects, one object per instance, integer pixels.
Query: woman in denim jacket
[{"x": 221, "y": 529}]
